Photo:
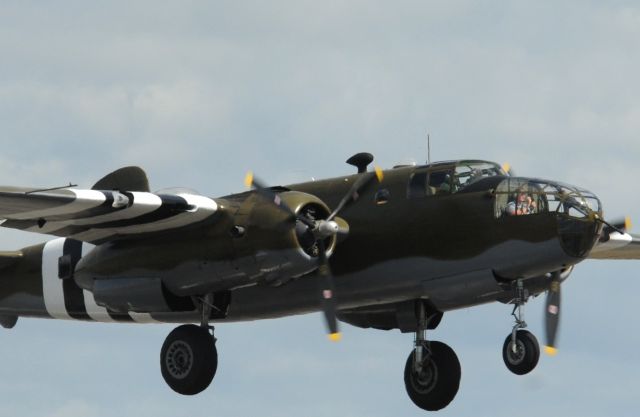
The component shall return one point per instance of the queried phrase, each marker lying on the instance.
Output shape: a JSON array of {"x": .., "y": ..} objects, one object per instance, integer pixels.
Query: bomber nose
[
  {"x": 578, "y": 236},
  {"x": 579, "y": 220},
  {"x": 578, "y": 211}
]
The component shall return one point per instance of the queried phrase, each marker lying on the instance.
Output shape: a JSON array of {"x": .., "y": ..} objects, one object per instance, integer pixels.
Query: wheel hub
[
  {"x": 179, "y": 359},
  {"x": 517, "y": 355},
  {"x": 425, "y": 380}
]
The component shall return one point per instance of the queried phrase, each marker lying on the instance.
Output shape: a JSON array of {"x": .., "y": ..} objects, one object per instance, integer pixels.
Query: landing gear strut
[
  {"x": 520, "y": 350},
  {"x": 432, "y": 372},
  {"x": 189, "y": 359}
]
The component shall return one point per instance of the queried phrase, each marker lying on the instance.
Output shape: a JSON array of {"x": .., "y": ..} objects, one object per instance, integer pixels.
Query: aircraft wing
[
  {"x": 96, "y": 216},
  {"x": 617, "y": 246}
]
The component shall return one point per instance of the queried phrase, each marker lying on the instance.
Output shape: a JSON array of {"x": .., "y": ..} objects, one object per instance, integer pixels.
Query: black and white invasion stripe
[
  {"x": 64, "y": 299},
  {"x": 96, "y": 216}
]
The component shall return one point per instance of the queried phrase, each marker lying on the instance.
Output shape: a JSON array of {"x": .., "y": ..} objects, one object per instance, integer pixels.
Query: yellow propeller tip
[
  {"x": 551, "y": 351},
  {"x": 379, "y": 173},
  {"x": 248, "y": 180},
  {"x": 335, "y": 337},
  {"x": 506, "y": 167},
  {"x": 627, "y": 223}
]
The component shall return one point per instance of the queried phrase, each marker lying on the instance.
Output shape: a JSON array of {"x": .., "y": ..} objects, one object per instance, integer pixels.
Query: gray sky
[{"x": 197, "y": 93}]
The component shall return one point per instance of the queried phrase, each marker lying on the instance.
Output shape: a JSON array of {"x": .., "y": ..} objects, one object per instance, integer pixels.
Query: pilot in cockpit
[{"x": 522, "y": 205}]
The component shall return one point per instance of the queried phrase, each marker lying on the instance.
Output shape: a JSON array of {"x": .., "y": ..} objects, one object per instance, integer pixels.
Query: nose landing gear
[
  {"x": 432, "y": 372},
  {"x": 521, "y": 350}
]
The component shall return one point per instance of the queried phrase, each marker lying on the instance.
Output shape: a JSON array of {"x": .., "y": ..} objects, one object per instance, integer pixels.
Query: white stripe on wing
[
  {"x": 84, "y": 200},
  {"x": 203, "y": 208},
  {"x": 143, "y": 203}
]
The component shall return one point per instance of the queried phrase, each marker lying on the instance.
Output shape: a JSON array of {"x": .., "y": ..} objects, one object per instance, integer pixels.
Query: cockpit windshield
[
  {"x": 519, "y": 196},
  {"x": 467, "y": 173},
  {"x": 446, "y": 178}
]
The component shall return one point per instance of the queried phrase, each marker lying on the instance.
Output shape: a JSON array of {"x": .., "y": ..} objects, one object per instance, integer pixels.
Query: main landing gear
[
  {"x": 189, "y": 359},
  {"x": 521, "y": 350},
  {"x": 432, "y": 372}
]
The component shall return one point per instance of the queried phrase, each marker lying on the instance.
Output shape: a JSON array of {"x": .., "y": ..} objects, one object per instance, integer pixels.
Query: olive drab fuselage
[{"x": 454, "y": 247}]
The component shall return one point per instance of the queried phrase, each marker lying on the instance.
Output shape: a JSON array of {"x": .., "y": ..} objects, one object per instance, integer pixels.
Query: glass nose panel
[{"x": 522, "y": 196}]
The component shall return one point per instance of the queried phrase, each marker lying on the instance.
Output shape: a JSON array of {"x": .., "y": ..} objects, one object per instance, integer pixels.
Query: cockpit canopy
[
  {"x": 468, "y": 172},
  {"x": 450, "y": 177},
  {"x": 513, "y": 196}
]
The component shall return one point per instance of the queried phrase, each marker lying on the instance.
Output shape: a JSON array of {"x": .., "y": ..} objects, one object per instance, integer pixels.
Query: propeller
[
  {"x": 321, "y": 229},
  {"x": 506, "y": 167},
  {"x": 552, "y": 305},
  {"x": 552, "y": 313},
  {"x": 263, "y": 190},
  {"x": 619, "y": 225}
]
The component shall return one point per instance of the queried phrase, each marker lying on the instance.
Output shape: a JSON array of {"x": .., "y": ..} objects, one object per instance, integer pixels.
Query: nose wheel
[
  {"x": 521, "y": 356},
  {"x": 521, "y": 350}
]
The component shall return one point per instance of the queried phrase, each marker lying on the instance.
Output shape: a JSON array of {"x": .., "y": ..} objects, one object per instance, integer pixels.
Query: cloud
[
  {"x": 197, "y": 93},
  {"x": 75, "y": 408}
]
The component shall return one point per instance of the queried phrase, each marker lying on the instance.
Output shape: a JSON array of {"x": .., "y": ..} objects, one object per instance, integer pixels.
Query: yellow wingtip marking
[
  {"x": 627, "y": 223},
  {"x": 379, "y": 173},
  {"x": 248, "y": 180},
  {"x": 335, "y": 337},
  {"x": 551, "y": 351}
]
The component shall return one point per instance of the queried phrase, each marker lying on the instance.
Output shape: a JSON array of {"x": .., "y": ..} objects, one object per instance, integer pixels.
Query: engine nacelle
[
  {"x": 273, "y": 248},
  {"x": 253, "y": 242}
]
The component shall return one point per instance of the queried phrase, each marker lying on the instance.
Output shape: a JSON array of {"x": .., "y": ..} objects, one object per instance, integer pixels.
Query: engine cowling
[{"x": 273, "y": 248}]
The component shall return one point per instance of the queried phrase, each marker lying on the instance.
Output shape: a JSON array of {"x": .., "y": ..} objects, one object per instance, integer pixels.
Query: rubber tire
[
  {"x": 529, "y": 353},
  {"x": 204, "y": 359},
  {"x": 445, "y": 363}
]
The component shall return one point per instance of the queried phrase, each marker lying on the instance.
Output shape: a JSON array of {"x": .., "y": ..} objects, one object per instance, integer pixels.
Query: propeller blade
[
  {"x": 265, "y": 192},
  {"x": 357, "y": 187},
  {"x": 621, "y": 226},
  {"x": 328, "y": 293},
  {"x": 506, "y": 167},
  {"x": 552, "y": 313}
]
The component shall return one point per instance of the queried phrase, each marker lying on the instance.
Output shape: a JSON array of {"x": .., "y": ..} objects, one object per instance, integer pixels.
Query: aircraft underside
[{"x": 414, "y": 303}]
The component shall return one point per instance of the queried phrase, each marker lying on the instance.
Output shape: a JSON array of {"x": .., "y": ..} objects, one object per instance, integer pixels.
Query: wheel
[
  {"x": 437, "y": 384},
  {"x": 526, "y": 355},
  {"x": 188, "y": 359}
]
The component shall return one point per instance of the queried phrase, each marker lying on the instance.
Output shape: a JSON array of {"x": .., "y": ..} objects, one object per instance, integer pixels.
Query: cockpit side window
[
  {"x": 417, "y": 187},
  {"x": 439, "y": 182},
  {"x": 424, "y": 183}
]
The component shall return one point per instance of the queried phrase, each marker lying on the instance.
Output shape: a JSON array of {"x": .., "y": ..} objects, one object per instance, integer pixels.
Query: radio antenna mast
[{"x": 428, "y": 148}]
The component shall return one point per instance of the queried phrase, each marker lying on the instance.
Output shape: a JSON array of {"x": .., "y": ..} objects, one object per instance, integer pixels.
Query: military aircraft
[{"x": 383, "y": 249}]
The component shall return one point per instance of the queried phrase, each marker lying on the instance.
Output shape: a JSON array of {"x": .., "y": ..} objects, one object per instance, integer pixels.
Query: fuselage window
[{"x": 382, "y": 197}]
